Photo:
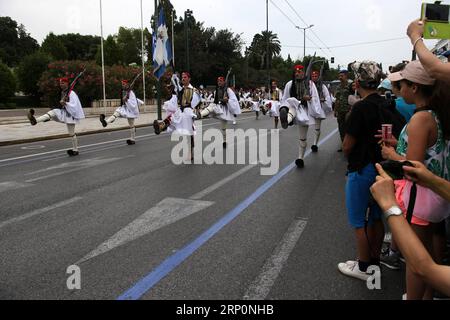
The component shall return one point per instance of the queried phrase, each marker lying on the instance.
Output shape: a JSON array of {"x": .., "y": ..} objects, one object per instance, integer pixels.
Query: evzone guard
[
  {"x": 300, "y": 104},
  {"x": 272, "y": 105},
  {"x": 225, "y": 106},
  {"x": 325, "y": 103},
  {"x": 180, "y": 114},
  {"x": 129, "y": 109},
  {"x": 254, "y": 100},
  {"x": 69, "y": 112}
]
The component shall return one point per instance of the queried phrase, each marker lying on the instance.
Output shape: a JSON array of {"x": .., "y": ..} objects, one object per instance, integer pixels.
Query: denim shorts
[{"x": 358, "y": 197}]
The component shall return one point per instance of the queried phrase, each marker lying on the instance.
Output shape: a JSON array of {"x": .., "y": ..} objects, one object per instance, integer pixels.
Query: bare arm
[
  {"x": 416, "y": 255},
  {"x": 430, "y": 62},
  {"x": 348, "y": 144},
  {"x": 420, "y": 174},
  {"x": 418, "y": 130}
]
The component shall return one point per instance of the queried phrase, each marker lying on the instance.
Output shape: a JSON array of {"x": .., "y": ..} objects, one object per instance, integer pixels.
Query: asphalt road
[{"x": 140, "y": 227}]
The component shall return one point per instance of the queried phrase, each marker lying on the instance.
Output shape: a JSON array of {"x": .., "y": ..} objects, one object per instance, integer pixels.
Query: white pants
[
  {"x": 51, "y": 115},
  {"x": 130, "y": 123}
]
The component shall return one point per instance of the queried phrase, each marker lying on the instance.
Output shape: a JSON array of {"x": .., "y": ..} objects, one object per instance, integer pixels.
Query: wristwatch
[{"x": 393, "y": 211}]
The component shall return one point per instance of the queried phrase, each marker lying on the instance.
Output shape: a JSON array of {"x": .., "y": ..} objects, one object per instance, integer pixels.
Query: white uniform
[
  {"x": 70, "y": 114},
  {"x": 314, "y": 107},
  {"x": 304, "y": 118},
  {"x": 227, "y": 112},
  {"x": 274, "y": 110},
  {"x": 182, "y": 121},
  {"x": 131, "y": 107},
  {"x": 72, "y": 111},
  {"x": 130, "y": 111}
]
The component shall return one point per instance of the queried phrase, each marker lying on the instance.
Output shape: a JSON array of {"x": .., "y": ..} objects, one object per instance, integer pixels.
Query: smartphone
[{"x": 437, "y": 25}]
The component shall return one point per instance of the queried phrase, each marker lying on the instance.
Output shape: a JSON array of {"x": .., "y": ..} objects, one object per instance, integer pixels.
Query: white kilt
[
  {"x": 131, "y": 107},
  {"x": 63, "y": 116},
  {"x": 182, "y": 122},
  {"x": 274, "y": 111},
  {"x": 222, "y": 112},
  {"x": 255, "y": 106}
]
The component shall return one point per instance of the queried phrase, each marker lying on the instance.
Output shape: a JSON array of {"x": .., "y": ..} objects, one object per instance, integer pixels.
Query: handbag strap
[{"x": 411, "y": 203}]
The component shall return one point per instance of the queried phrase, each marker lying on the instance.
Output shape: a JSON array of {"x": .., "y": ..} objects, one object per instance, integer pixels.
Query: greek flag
[{"x": 162, "y": 49}]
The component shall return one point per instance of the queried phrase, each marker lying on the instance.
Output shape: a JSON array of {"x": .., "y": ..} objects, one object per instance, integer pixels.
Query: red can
[{"x": 386, "y": 131}]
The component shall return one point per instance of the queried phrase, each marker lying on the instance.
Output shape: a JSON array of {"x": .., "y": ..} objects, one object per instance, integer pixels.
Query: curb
[{"x": 66, "y": 135}]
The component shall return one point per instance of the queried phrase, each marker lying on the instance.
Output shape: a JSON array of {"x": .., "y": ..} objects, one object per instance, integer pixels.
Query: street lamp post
[
  {"x": 304, "y": 38},
  {"x": 267, "y": 49},
  {"x": 187, "y": 14}
]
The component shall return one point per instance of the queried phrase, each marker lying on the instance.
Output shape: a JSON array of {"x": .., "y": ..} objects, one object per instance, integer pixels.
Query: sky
[{"x": 335, "y": 23}]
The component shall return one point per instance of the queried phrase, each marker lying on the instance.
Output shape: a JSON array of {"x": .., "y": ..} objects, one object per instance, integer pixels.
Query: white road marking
[
  {"x": 39, "y": 211},
  {"x": 12, "y": 185},
  {"x": 33, "y": 147},
  {"x": 81, "y": 165},
  {"x": 260, "y": 287},
  {"x": 222, "y": 182},
  {"x": 96, "y": 144},
  {"x": 164, "y": 213}
]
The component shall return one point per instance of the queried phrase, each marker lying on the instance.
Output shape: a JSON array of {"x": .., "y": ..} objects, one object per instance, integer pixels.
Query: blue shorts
[{"x": 357, "y": 195}]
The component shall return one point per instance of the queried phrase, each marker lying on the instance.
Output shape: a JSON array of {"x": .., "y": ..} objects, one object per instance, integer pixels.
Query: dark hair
[
  {"x": 369, "y": 85},
  {"x": 398, "y": 67},
  {"x": 440, "y": 103},
  {"x": 426, "y": 91}
]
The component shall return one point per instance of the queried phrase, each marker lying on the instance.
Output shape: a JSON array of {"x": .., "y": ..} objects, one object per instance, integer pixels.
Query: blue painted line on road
[{"x": 147, "y": 283}]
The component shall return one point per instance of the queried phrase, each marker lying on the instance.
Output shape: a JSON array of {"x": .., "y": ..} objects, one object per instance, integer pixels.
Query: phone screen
[{"x": 437, "y": 12}]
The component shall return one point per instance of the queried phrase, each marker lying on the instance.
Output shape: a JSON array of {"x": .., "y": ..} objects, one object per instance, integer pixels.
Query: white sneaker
[
  {"x": 351, "y": 269},
  {"x": 387, "y": 237}
]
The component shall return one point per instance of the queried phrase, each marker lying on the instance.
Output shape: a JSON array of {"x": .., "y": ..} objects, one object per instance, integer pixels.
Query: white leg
[
  {"x": 303, "y": 133},
  {"x": 292, "y": 114},
  {"x": 113, "y": 117},
  {"x": 206, "y": 111},
  {"x": 71, "y": 130},
  {"x": 317, "y": 131},
  {"x": 132, "y": 129},
  {"x": 46, "y": 117}
]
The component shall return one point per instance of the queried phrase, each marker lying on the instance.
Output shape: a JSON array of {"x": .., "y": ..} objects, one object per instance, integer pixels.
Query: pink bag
[{"x": 428, "y": 206}]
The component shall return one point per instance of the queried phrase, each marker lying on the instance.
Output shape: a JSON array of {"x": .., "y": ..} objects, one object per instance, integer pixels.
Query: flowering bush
[{"x": 90, "y": 85}]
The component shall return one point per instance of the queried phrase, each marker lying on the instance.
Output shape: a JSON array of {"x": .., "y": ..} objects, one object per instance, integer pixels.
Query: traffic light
[{"x": 332, "y": 59}]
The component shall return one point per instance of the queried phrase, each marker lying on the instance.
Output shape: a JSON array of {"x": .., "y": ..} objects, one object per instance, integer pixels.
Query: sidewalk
[{"x": 15, "y": 128}]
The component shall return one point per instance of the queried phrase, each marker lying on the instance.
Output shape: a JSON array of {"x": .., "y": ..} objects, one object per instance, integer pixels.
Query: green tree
[
  {"x": 30, "y": 71},
  {"x": 211, "y": 52},
  {"x": 80, "y": 47},
  {"x": 7, "y": 82},
  {"x": 129, "y": 46},
  {"x": 112, "y": 53},
  {"x": 259, "y": 49},
  {"x": 27, "y": 45},
  {"x": 15, "y": 42},
  {"x": 54, "y": 47}
]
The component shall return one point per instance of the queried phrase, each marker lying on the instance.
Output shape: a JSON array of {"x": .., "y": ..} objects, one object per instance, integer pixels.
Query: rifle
[
  {"x": 225, "y": 88},
  {"x": 66, "y": 96},
  {"x": 319, "y": 81},
  {"x": 308, "y": 72},
  {"x": 176, "y": 83},
  {"x": 226, "y": 82}
]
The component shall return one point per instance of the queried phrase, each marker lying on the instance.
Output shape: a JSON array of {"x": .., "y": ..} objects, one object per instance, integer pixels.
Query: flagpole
[
  {"x": 173, "y": 44},
  {"x": 158, "y": 85},
  {"x": 103, "y": 58},
  {"x": 142, "y": 53}
]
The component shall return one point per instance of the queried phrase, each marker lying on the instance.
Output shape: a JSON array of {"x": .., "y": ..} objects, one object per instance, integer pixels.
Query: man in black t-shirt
[{"x": 362, "y": 150}]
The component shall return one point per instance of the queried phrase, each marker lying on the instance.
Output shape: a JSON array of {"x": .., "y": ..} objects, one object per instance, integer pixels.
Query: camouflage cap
[{"x": 367, "y": 72}]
